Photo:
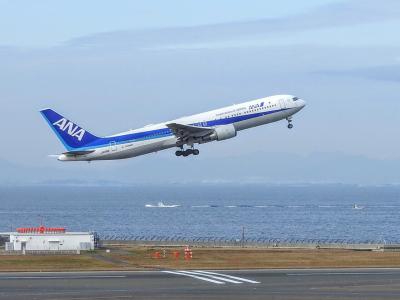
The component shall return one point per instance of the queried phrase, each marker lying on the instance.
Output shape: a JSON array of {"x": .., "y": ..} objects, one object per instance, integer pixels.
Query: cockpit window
[{"x": 295, "y": 98}]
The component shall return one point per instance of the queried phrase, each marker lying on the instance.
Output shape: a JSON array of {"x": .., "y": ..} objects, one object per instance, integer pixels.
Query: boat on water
[
  {"x": 162, "y": 205},
  {"x": 355, "y": 206}
]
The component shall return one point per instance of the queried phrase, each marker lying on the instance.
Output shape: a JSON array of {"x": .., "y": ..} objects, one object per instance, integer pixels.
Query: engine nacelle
[{"x": 223, "y": 132}]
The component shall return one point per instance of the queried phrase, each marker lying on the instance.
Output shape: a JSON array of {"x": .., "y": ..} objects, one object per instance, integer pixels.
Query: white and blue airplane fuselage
[{"x": 215, "y": 125}]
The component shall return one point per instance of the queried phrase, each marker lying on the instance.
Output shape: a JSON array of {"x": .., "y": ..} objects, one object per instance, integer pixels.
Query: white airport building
[{"x": 42, "y": 239}]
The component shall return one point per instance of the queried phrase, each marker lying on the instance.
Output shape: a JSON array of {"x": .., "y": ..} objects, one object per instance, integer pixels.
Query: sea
[{"x": 312, "y": 211}]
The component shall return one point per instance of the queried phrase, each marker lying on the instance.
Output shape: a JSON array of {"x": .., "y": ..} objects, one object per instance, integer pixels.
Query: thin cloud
[
  {"x": 383, "y": 73},
  {"x": 347, "y": 13}
]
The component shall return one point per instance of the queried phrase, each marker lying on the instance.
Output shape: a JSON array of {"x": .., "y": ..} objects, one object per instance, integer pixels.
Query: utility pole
[{"x": 242, "y": 236}]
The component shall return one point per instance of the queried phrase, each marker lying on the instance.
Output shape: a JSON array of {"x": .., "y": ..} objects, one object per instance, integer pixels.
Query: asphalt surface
[{"x": 174, "y": 284}]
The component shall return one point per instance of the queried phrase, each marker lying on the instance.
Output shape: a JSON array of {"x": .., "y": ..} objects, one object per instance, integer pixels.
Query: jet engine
[{"x": 221, "y": 133}]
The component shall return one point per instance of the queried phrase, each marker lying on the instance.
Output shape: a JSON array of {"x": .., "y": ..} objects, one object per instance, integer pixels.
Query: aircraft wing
[{"x": 185, "y": 132}]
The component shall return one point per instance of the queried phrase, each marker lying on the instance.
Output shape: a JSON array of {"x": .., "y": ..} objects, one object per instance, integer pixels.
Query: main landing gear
[
  {"x": 290, "y": 125},
  {"x": 187, "y": 152}
]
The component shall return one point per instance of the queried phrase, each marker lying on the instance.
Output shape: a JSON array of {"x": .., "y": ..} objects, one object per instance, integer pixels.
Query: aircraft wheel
[
  {"x": 290, "y": 126},
  {"x": 196, "y": 152},
  {"x": 178, "y": 153},
  {"x": 187, "y": 152}
]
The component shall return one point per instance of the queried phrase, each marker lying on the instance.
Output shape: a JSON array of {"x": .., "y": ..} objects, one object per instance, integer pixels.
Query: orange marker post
[
  {"x": 157, "y": 255},
  {"x": 188, "y": 253},
  {"x": 176, "y": 254}
]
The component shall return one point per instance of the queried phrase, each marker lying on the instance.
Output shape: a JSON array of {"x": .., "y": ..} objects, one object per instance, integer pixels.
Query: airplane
[{"x": 185, "y": 132}]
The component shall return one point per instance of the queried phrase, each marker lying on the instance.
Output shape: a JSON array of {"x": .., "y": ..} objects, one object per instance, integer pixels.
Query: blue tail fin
[{"x": 70, "y": 134}]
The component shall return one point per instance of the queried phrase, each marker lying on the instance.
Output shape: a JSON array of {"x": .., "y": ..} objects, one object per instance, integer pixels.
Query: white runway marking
[
  {"x": 229, "y": 276},
  {"x": 213, "y": 277},
  {"x": 194, "y": 276}
]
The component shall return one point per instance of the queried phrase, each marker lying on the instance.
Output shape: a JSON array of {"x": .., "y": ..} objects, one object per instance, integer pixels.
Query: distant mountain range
[{"x": 252, "y": 169}]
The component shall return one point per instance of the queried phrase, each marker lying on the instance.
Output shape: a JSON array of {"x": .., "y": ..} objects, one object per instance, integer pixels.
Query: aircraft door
[{"x": 113, "y": 146}]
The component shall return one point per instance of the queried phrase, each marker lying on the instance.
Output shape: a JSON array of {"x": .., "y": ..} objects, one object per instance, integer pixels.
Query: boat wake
[{"x": 162, "y": 205}]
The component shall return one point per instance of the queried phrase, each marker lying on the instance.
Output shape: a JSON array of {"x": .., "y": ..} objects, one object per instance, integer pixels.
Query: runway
[{"x": 196, "y": 284}]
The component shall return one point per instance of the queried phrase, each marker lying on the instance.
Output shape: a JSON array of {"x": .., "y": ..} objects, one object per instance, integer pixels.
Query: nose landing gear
[{"x": 290, "y": 125}]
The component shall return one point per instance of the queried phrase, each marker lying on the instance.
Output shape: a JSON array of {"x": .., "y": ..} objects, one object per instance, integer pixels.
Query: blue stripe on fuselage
[{"x": 166, "y": 132}]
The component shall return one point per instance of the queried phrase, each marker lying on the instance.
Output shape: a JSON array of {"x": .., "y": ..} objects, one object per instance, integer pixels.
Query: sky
[{"x": 115, "y": 65}]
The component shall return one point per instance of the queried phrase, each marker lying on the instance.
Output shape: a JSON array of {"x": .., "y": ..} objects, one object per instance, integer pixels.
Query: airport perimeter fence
[{"x": 247, "y": 242}]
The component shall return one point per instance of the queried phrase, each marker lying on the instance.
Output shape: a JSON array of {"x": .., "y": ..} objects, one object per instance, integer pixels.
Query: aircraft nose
[{"x": 300, "y": 103}]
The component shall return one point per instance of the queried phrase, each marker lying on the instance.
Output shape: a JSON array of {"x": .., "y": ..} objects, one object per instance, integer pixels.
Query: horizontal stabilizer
[{"x": 74, "y": 153}]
